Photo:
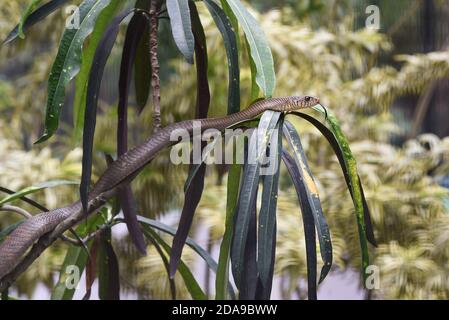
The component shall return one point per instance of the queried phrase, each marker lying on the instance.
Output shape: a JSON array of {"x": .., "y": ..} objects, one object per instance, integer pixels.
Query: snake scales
[{"x": 126, "y": 167}]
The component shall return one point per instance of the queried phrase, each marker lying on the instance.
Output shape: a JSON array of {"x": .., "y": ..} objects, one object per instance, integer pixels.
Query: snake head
[{"x": 301, "y": 102}]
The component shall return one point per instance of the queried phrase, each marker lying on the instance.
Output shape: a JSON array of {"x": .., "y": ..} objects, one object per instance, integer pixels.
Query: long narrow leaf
[
  {"x": 230, "y": 43},
  {"x": 327, "y": 133},
  {"x": 24, "y": 199},
  {"x": 248, "y": 285},
  {"x": 38, "y": 187},
  {"x": 181, "y": 26},
  {"x": 211, "y": 263},
  {"x": 96, "y": 73},
  {"x": 350, "y": 166},
  {"x": 267, "y": 215},
  {"x": 260, "y": 51},
  {"x": 82, "y": 78},
  {"x": 312, "y": 197},
  {"x": 192, "y": 285},
  {"x": 67, "y": 62},
  {"x": 195, "y": 189},
  {"x": 75, "y": 261},
  {"x": 308, "y": 223},
  {"x": 247, "y": 197},
  {"x": 166, "y": 265},
  {"x": 26, "y": 13},
  {"x": 34, "y": 17},
  {"x": 108, "y": 269},
  {"x": 127, "y": 201},
  {"x": 128, "y": 205},
  {"x": 233, "y": 184}
]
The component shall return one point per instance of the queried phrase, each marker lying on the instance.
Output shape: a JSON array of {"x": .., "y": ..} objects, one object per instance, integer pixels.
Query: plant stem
[{"x": 155, "y": 80}]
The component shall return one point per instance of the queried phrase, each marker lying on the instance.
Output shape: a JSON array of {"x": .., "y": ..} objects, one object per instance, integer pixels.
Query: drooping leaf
[
  {"x": 127, "y": 201},
  {"x": 196, "y": 185},
  {"x": 308, "y": 223},
  {"x": 72, "y": 267},
  {"x": 260, "y": 51},
  {"x": 67, "y": 62},
  {"x": 96, "y": 73},
  {"x": 211, "y": 263},
  {"x": 142, "y": 64},
  {"x": 246, "y": 199},
  {"x": 82, "y": 78},
  {"x": 350, "y": 167},
  {"x": 24, "y": 199},
  {"x": 108, "y": 269},
  {"x": 26, "y": 13},
  {"x": 253, "y": 68},
  {"x": 221, "y": 281},
  {"x": 258, "y": 143},
  {"x": 267, "y": 215},
  {"x": 166, "y": 265},
  {"x": 331, "y": 138},
  {"x": 249, "y": 280},
  {"x": 181, "y": 26},
  {"x": 230, "y": 42},
  {"x": 34, "y": 17},
  {"x": 91, "y": 267},
  {"x": 75, "y": 261},
  {"x": 201, "y": 62},
  {"x": 312, "y": 197},
  {"x": 191, "y": 284},
  {"x": 128, "y": 205},
  {"x": 32, "y": 189}
]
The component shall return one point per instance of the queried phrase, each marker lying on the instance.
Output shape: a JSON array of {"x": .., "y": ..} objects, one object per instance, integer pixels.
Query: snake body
[{"x": 126, "y": 167}]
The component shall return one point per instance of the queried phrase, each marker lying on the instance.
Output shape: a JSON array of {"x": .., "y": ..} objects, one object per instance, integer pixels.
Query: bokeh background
[{"x": 388, "y": 87}]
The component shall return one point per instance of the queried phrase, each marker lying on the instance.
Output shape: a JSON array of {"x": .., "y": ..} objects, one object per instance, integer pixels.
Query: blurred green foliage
[{"x": 320, "y": 48}]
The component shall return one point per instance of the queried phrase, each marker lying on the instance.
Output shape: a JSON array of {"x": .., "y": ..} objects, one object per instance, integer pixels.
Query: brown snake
[{"x": 126, "y": 167}]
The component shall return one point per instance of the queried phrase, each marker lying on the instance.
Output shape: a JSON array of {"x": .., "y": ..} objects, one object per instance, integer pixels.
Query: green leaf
[
  {"x": 222, "y": 279},
  {"x": 212, "y": 264},
  {"x": 230, "y": 41},
  {"x": 192, "y": 285},
  {"x": 35, "y": 188},
  {"x": 73, "y": 265},
  {"x": 267, "y": 215},
  {"x": 93, "y": 88},
  {"x": 179, "y": 13},
  {"x": 248, "y": 190},
  {"x": 26, "y": 13},
  {"x": 329, "y": 135},
  {"x": 312, "y": 197},
  {"x": 260, "y": 51},
  {"x": 354, "y": 182},
  {"x": 75, "y": 261},
  {"x": 166, "y": 266},
  {"x": 34, "y": 17},
  {"x": 108, "y": 270},
  {"x": 67, "y": 63},
  {"x": 81, "y": 81}
]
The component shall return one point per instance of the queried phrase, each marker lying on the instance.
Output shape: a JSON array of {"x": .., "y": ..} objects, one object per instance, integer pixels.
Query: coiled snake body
[{"x": 126, "y": 167}]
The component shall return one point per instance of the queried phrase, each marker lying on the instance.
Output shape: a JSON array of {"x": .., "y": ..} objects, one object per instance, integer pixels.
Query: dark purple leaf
[
  {"x": 126, "y": 198},
  {"x": 195, "y": 189},
  {"x": 93, "y": 89},
  {"x": 338, "y": 152},
  {"x": 308, "y": 222}
]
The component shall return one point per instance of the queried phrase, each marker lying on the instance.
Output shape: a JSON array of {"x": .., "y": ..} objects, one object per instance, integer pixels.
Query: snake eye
[{"x": 307, "y": 99}]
